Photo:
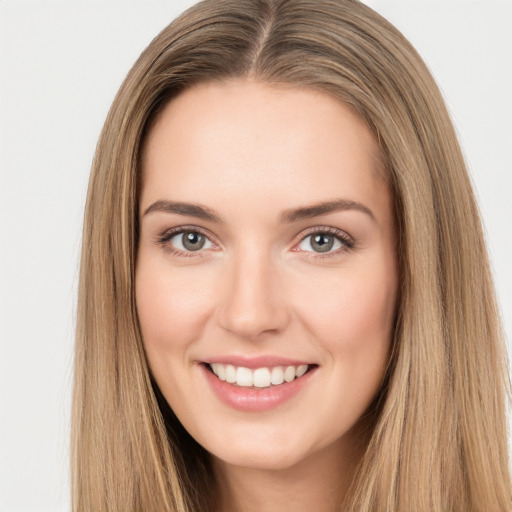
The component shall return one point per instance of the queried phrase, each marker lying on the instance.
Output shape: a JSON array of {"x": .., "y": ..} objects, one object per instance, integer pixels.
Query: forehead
[{"x": 247, "y": 139}]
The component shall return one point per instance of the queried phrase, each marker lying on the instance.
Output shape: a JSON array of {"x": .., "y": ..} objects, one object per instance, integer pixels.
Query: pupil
[
  {"x": 193, "y": 241},
  {"x": 322, "y": 243}
]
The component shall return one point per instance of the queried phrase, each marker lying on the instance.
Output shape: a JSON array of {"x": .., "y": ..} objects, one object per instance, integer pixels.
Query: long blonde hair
[{"x": 439, "y": 440}]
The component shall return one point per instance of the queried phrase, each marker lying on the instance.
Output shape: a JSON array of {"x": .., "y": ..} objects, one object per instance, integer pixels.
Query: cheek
[
  {"x": 353, "y": 322},
  {"x": 352, "y": 315},
  {"x": 171, "y": 305}
]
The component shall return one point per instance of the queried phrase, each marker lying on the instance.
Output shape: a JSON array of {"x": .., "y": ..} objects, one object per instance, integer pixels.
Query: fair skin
[{"x": 237, "y": 265}]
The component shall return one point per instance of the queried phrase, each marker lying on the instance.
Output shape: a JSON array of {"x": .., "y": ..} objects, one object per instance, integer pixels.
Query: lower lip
[{"x": 255, "y": 399}]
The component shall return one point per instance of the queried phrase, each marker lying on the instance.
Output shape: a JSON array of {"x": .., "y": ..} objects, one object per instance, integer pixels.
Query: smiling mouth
[{"x": 260, "y": 377}]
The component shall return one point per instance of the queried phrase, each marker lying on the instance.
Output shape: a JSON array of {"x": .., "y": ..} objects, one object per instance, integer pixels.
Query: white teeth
[
  {"x": 301, "y": 370},
  {"x": 277, "y": 376},
  {"x": 289, "y": 373},
  {"x": 219, "y": 370},
  {"x": 261, "y": 377},
  {"x": 230, "y": 373},
  {"x": 243, "y": 376}
]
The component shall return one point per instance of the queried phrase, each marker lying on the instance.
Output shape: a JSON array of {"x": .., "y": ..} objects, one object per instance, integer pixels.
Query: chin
[
  {"x": 273, "y": 449},
  {"x": 258, "y": 459}
]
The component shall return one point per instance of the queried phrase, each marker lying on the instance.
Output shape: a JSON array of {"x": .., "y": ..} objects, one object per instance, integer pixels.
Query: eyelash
[
  {"x": 347, "y": 242},
  {"x": 164, "y": 238}
]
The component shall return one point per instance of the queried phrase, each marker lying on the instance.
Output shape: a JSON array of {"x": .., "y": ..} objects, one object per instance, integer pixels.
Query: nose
[{"x": 253, "y": 300}]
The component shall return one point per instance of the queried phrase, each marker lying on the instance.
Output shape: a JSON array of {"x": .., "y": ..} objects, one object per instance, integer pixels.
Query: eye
[
  {"x": 184, "y": 241},
  {"x": 189, "y": 241},
  {"x": 325, "y": 242}
]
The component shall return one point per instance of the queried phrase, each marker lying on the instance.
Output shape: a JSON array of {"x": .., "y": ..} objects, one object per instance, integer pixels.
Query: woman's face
[{"x": 267, "y": 249}]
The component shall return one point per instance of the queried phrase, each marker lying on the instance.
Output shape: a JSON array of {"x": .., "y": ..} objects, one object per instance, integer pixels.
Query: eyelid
[
  {"x": 346, "y": 240},
  {"x": 164, "y": 237}
]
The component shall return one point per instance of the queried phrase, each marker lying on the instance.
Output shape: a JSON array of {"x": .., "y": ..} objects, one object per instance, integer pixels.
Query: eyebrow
[
  {"x": 191, "y": 210},
  {"x": 287, "y": 216},
  {"x": 315, "y": 210}
]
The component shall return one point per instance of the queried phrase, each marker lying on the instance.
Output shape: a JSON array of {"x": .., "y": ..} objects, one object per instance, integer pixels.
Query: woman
[{"x": 277, "y": 297}]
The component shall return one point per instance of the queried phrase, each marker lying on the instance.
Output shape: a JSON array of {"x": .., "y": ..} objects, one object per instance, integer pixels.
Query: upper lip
[{"x": 263, "y": 361}]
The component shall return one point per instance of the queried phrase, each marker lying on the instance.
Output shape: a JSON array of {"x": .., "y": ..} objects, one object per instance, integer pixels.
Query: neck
[{"x": 318, "y": 482}]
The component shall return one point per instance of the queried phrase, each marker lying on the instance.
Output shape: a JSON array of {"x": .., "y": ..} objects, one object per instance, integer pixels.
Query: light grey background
[{"x": 61, "y": 63}]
